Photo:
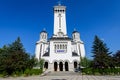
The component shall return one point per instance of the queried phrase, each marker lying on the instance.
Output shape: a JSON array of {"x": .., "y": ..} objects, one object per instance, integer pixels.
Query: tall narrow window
[
  {"x": 65, "y": 46},
  {"x": 55, "y": 47},
  {"x": 60, "y": 46},
  {"x": 74, "y": 36}
]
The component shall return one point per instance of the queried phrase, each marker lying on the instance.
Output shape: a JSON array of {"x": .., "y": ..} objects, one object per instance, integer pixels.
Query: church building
[{"x": 60, "y": 52}]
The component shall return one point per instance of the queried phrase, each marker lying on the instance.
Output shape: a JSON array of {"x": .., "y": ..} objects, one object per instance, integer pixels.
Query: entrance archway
[
  {"x": 66, "y": 66},
  {"x": 61, "y": 66},
  {"x": 46, "y": 65},
  {"x": 55, "y": 66},
  {"x": 75, "y": 64}
]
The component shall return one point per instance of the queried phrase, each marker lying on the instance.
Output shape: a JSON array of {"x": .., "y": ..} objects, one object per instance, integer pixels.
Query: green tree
[
  {"x": 101, "y": 54},
  {"x": 13, "y": 58},
  {"x": 32, "y": 62},
  {"x": 116, "y": 58},
  {"x": 4, "y": 62},
  {"x": 85, "y": 62},
  {"x": 41, "y": 63},
  {"x": 17, "y": 45},
  {"x": 19, "y": 55}
]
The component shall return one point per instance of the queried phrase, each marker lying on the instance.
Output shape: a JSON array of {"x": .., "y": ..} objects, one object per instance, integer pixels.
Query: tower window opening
[{"x": 59, "y": 30}]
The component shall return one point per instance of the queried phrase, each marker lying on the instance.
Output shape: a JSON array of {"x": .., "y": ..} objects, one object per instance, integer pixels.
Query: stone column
[
  {"x": 71, "y": 67},
  {"x": 63, "y": 66},
  {"x": 58, "y": 69},
  {"x": 51, "y": 67}
]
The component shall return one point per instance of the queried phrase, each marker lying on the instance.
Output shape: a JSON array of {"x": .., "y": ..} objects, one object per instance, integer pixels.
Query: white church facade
[{"x": 60, "y": 52}]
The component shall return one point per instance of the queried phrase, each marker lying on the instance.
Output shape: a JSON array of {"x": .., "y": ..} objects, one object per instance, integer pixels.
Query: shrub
[
  {"x": 98, "y": 71},
  {"x": 29, "y": 72}
]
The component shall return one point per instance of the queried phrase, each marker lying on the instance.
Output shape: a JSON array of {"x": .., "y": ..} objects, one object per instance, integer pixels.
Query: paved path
[{"x": 64, "y": 76}]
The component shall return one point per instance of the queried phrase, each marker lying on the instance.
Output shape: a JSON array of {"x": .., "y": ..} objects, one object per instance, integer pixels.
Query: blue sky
[{"x": 26, "y": 18}]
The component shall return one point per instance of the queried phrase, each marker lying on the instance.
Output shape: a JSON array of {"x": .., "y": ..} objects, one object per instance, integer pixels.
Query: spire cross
[
  {"x": 44, "y": 29},
  {"x": 74, "y": 29},
  {"x": 59, "y": 2}
]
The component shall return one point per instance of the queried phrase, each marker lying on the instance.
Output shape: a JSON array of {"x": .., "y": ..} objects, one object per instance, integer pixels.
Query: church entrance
[
  {"x": 66, "y": 66},
  {"x": 75, "y": 64},
  {"x": 55, "y": 66},
  {"x": 46, "y": 65},
  {"x": 61, "y": 66}
]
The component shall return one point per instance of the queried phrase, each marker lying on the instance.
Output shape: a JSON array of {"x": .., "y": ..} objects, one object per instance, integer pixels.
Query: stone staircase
[{"x": 62, "y": 73}]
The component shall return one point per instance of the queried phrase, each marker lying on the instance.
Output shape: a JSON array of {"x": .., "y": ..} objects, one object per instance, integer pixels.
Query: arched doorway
[
  {"x": 46, "y": 65},
  {"x": 66, "y": 66},
  {"x": 55, "y": 66},
  {"x": 75, "y": 64},
  {"x": 61, "y": 66}
]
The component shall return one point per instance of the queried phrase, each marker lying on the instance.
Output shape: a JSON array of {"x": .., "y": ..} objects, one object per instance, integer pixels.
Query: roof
[
  {"x": 74, "y": 54},
  {"x": 46, "y": 54}
]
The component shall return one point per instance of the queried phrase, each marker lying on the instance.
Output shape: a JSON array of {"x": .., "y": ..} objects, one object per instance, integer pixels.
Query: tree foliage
[
  {"x": 101, "y": 54},
  {"x": 85, "y": 62},
  {"x": 116, "y": 58},
  {"x": 14, "y": 58},
  {"x": 41, "y": 64}
]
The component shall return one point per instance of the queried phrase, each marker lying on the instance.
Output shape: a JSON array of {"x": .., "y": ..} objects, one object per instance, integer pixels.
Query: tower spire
[{"x": 60, "y": 20}]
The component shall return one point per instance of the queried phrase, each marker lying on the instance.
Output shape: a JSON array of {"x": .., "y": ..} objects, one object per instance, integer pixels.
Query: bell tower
[{"x": 60, "y": 21}]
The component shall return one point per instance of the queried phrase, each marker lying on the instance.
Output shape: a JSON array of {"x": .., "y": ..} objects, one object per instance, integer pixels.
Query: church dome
[
  {"x": 43, "y": 35},
  {"x": 43, "y": 31},
  {"x": 76, "y": 35},
  {"x": 75, "y": 32}
]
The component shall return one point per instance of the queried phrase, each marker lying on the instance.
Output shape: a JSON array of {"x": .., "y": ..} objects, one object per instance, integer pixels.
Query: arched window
[
  {"x": 60, "y": 46},
  {"x": 46, "y": 65},
  {"x": 74, "y": 36},
  {"x": 75, "y": 64},
  {"x": 55, "y": 47},
  {"x": 45, "y": 36},
  {"x": 65, "y": 46},
  {"x": 42, "y": 36}
]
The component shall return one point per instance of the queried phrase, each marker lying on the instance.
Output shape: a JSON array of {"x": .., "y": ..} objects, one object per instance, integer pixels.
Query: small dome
[
  {"x": 43, "y": 31},
  {"x": 75, "y": 32}
]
